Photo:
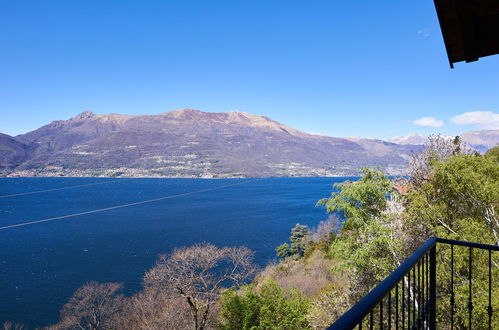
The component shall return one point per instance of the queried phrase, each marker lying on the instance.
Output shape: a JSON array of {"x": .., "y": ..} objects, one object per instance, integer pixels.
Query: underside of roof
[{"x": 470, "y": 28}]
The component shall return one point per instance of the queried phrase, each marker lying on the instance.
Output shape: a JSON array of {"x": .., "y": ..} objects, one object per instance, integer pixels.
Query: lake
[{"x": 43, "y": 262}]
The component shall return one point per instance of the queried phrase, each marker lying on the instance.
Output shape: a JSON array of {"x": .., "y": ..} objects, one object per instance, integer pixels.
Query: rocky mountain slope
[{"x": 191, "y": 143}]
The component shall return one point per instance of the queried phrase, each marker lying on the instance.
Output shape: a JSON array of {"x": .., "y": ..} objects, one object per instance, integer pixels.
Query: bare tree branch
[{"x": 198, "y": 273}]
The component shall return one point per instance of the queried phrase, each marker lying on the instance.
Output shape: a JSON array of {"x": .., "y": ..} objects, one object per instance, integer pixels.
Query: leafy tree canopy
[
  {"x": 362, "y": 200},
  {"x": 268, "y": 307}
]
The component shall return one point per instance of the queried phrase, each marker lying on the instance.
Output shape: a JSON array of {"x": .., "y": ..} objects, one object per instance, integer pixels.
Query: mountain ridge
[{"x": 193, "y": 143}]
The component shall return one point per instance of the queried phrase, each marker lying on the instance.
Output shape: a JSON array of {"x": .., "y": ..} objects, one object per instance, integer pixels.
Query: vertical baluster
[
  {"x": 427, "y": 284},
  {"x": 489, "y": 308},
  {"x": 402, "y": 302},
  {"x": 427, "y": 288},
  {"x": 397, "y": 306},
  {"x": 425, "y": 297},
  {"x": 390, "y": 310},
  {"x": 360, "y": 324},
  {"x": 470, "y": 302},
  {"x": 409, "y": 299},
  {"x": 371, "y": 325},
  {"x": 423, "y": 293},
  {"x": 432, "y": 322},
  {"x": 381, "y": 314},
  {"x": 419, "y": 295},
  {"x": 452, "y": 298},
  {"x": 414, "y": 319}
]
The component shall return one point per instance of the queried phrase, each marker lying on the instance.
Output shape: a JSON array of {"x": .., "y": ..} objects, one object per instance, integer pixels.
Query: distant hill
[
  {"x": 415, "y": 139},
  {"x": 481, "y": 140},
  {"x": 12, "y": 152},
  {"x": 192, "y": 143}
]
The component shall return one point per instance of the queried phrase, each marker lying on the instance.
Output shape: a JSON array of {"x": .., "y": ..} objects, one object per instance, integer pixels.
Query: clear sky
[{"x": 340, "y": 68}]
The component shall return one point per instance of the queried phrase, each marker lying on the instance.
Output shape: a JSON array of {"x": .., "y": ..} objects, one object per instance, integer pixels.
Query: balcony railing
[{"x": 407, "y": 298}]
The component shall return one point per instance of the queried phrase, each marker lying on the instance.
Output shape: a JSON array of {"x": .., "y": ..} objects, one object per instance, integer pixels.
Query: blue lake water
[{"x": 42, "y": 264}]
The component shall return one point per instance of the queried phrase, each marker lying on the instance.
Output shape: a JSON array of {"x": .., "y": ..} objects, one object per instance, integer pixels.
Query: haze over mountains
[
  {"x": 481, "y": 140},
  {"x": 190, "y": 143}
]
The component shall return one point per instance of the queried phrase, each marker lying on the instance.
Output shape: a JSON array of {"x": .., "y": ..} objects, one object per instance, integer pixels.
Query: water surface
[{"x": 42, "y": 264}]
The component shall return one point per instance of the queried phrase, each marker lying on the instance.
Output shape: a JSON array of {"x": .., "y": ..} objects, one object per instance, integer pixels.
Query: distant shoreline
[
  {"x": 174, "y": 177},
  {"x": 146, "y": 173}
]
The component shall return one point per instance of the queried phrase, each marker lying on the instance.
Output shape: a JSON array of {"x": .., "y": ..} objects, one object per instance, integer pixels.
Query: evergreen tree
[{"x": 298, "y": 240}]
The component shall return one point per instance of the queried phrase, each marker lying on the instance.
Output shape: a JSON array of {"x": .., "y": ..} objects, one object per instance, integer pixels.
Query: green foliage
[
  {"x": 462, "y": 194},
  {"x": 240, "y": 311},
  {"x": 326, "y": 306},
  {"x": 282, "y": 309},
  {"x": 298, "y": 238},
  {"x": 269, "y": 307},
  {"x": 455, "y": 195},
  {"x": 323, "y": 245},
  {"x": 461, "y": 287},
  {"x": 459, "y": 201},
  {"x": 283, "y": 250},
  {"x": 493, "y": 154},
  {"x": 366, "y": 246},
  {"x": 370, "y": 254},
  {"x": 467, "y": 183},
  {"x": 361, "y": 200}
]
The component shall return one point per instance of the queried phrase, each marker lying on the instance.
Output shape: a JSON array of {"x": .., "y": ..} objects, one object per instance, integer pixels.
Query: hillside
[
  {"x": 191, "y": 143},
  {"x": 12, "y": 152}
]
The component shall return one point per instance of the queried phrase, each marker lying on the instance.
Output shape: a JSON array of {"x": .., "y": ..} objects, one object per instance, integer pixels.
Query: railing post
[{"x": 432, "y": 322}]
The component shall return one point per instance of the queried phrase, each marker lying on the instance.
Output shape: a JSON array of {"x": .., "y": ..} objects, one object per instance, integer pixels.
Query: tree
[
  {"x": 198, "y": 273},
  {"x": 298, "y": 239},
  {"x": 283, "y": 251},
  {"x": 366, "y": 247},
  {"x": 327, "y": 306},
  {"x": 467, "y": 186},
  {"x": 267, "y": 307},
  {"x": 493, "y": 154},
  {"x": 458, "y": 200},
  {"x": 361, "y": 200},
  {"x": 153, "y": 309},
  {"x": 240, "y": 311},
  {"x": 7, "y": 325},
  {"x": 438, "y": 148},
  {"x": 93, "y": 306},
  {"x": 282, "y": 309}
]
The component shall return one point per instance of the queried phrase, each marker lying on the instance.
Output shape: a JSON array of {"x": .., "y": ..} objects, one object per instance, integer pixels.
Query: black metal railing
[{"x": 407, "y": 298}]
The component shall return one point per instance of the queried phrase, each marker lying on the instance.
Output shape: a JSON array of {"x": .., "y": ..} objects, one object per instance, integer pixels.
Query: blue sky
[{"x": 340, "y": 68}]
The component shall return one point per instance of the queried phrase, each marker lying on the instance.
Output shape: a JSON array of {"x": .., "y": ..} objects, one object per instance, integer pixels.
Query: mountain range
[
  {"x": 190, "y": 143},
  {"x": 481, "y": 140}
]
